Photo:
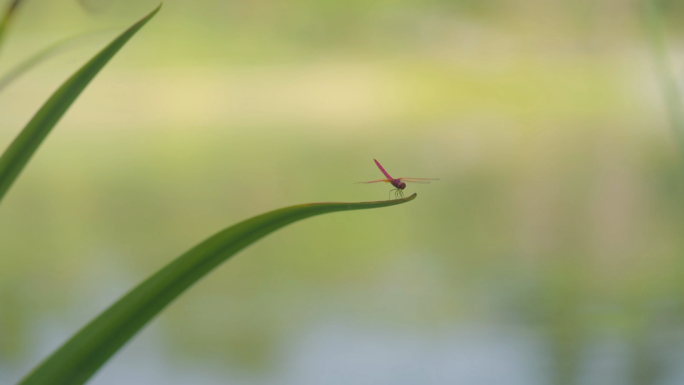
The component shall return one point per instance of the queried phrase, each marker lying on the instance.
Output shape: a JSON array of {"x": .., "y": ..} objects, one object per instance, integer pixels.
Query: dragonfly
[{"x": 398, "y": 183}]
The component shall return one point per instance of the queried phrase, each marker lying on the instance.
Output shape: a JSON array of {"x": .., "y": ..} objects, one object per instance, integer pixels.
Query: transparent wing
[
  {"x": 414, "y": 179},
  {"x": 376, "y": 181}
]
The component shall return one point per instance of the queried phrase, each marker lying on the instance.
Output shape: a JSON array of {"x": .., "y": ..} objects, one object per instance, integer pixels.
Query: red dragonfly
[{"x": 398, "y": 183}]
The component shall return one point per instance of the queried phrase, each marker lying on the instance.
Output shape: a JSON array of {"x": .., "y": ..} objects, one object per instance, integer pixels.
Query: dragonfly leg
[{"x": 390, "y": 195}]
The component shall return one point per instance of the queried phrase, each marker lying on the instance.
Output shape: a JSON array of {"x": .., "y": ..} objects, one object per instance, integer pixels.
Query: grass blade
[
  {"x": 7, "y": 18},
  {"x": 80, "y": 357},
  {"x": 668, "y": 82},
  {"x": 22, "y": 148},
  {"x": 39, "y": 57}
]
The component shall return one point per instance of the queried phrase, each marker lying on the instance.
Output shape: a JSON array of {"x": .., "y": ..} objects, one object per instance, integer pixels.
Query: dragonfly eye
[{"x": 402, "y": 185}]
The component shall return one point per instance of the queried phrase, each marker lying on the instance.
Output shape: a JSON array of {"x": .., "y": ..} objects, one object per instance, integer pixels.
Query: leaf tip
[
  {"x": 154, "y": 12},
  {"x": 150, "y": 15}
]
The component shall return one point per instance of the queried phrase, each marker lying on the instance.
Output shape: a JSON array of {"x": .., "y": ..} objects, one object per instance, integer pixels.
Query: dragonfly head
[{"x": 401, "y": 185}]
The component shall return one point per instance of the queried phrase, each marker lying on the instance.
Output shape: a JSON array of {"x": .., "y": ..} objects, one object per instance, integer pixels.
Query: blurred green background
[{"x": 551, "y": 251}]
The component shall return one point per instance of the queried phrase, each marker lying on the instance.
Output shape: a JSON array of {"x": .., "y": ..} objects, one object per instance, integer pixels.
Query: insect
[{"x": 398, "y": 183}]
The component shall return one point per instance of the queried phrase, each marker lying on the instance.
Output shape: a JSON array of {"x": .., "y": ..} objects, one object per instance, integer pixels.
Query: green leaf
[
  {"x": 22, "y": 148},
  {"x": 80, "y": 357},
  {"x": 655, "y": 28},
  {"x": 40, "y": 57},
  {"x": 9, "y": 15}
]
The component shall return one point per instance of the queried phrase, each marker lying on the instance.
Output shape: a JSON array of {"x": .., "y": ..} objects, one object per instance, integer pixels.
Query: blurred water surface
[{"x": 549, "y": 253}]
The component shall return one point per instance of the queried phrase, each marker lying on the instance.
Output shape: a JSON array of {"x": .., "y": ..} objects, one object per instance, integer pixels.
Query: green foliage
[
  {"x": 36, "y": 59},
  {"x": 7, "y": 18},
  {"x": 78, "y": 359},
  {"x": 653, "y": 13},
  {"x": 25, "y": 145}
]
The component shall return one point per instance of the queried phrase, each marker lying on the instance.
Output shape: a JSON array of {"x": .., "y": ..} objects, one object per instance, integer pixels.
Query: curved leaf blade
[
  {"x": 39, "y": 58},
  {"x": 672, "y": 93},
  {"x": 7, "y": 18},
  {"x": 27, "y": 142},
  {"x": 80, "y": 357}
]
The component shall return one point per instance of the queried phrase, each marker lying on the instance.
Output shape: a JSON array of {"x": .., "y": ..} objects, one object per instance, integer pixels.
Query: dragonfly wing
[
  {"x": 382, "y": 169},
  {"x": 414, "y": 179},
  {"x": 376, "y": 181}
]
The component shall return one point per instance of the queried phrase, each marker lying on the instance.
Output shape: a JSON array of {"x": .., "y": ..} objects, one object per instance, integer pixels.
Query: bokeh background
[{"x": 551, "y": 251}]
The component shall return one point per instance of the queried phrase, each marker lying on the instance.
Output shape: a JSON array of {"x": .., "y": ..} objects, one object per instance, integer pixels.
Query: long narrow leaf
[
  {"x": 40, "y": 57},
  {"x": 7, "y": 18},
  {"x": 22, "y": 148},
  {"x": 666, "y": 77},
  {"x": 80, "y": 357}
]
